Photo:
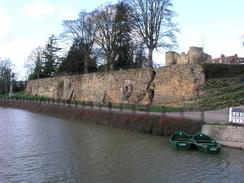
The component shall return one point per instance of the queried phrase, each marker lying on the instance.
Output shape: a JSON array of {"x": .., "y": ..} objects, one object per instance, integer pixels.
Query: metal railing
[{"x": 106, "y": 106}]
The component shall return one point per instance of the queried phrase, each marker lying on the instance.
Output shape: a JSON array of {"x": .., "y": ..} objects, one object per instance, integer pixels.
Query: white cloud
[
  {"x": 17, "y": 51},
  {"x": 39, "y": 8},
  {"x": 5, "y": 24}
]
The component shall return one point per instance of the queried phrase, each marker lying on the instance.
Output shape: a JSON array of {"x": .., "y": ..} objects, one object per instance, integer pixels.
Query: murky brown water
[{"x": 38, "y": 148}]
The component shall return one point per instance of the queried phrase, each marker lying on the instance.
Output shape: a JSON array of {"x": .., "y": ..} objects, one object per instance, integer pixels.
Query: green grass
[
  {"x": 21, "y": 93},
  {"x": 223, "y": 93}
]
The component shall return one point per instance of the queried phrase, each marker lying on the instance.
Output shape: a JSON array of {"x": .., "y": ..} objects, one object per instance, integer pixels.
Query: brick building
[{"x": 228, "y": 60}]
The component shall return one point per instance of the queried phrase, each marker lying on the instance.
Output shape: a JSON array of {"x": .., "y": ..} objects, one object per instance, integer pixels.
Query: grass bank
[{"x": 143, "y": 123}]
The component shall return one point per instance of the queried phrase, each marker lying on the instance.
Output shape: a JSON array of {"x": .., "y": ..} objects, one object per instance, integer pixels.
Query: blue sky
[{"x": 26, "y": 24}]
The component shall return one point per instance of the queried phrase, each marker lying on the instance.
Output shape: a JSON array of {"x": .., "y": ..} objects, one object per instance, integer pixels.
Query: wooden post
[
  {"x": 121, "y": 107},
  {"x": 202, "y": 115},
  {"x": 100, "y": 106},
  {"x": 162, "y": 110},
  {"x": 133, "y": 108},
  {"x": 109, "y": 106},
  {"x": 147, "y": 109}
]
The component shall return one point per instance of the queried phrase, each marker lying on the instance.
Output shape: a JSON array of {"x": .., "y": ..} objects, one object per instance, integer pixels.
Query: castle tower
[
  {"x": 171, "y": 58},
  {"x": 195, "y": 54}
]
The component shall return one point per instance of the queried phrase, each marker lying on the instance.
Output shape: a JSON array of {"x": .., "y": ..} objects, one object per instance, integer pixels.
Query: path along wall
[{"x": 171, "y": 85}]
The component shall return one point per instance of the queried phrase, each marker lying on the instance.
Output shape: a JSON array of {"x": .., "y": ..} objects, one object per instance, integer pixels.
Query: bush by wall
[
  {"x": 144, "y": 123},
  {"x": 223, "y": 70}
]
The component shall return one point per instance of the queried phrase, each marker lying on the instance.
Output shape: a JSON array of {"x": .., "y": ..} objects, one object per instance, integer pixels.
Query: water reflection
[{"x": 38, "y": 148}]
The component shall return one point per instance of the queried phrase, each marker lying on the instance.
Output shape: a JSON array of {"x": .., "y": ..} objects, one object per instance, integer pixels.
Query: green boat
[
  {"x": 206, "y": 144},
  {"x": 181, "y": 140}
]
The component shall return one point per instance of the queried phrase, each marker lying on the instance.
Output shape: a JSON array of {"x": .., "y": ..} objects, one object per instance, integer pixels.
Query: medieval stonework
[
  {"x": 194, "y": 55},
  {"x": 172, "y": 85}
]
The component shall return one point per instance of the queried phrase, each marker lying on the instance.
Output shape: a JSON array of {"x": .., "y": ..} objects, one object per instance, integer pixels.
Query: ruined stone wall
[
  {"x": 178, "y": 83},
  {"x": 171, "y": 85},
  {"x": 118, "y": 86}
]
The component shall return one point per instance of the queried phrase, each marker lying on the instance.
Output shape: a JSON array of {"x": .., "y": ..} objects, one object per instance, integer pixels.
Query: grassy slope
[{"x": 223, "y": 92}]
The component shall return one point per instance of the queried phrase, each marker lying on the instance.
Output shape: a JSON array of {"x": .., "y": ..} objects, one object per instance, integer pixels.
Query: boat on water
[
  {"x": 181, "y": 140},
  {"x": 205, "y": 143}
]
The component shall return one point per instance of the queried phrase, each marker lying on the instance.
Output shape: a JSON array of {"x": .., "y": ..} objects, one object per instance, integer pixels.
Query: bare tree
[
  {"x": 35, "y": 62},
  {"x": 105, "y": 36},
  {"x": 153, "y": 23},
  {"x": 82, "y": 31}
]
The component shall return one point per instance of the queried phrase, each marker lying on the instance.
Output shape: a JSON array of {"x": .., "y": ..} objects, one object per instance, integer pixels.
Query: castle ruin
[{"x": 194, "y": 55}]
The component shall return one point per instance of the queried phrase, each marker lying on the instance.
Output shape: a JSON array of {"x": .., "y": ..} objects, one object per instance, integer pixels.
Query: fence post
[
  {"x": 202, "y": 115},
  {"x": 100, "y": 106},
  {"x": 162, "y": 110},
  {"x": 147, "y": 109},
  {"x": 133, "y": 108},
  {"x": 121, "y": 107},
  {"x": 109, "y": 106},
  {"x": 181, "y": 113}
]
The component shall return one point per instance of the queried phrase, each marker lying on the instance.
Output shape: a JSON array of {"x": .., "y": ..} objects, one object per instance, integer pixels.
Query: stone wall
[
  {"x": 171, "y": 85},
  {"x": 232, "y": 136},
  {"x": 176, "y": 84}
]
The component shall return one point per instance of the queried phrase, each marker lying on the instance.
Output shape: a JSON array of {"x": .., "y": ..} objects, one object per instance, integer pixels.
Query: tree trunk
[
  {"x": 86, "y": 62},
  {"x": 111, "y": 65},
  {"x": 150, "y": 55}
]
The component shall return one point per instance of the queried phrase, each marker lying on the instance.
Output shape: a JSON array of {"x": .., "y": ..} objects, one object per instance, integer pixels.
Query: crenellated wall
[{"x": 171, "y": 85}]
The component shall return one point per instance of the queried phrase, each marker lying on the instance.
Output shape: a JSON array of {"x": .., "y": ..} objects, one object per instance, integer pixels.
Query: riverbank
[{"x": 142, "y": 123}]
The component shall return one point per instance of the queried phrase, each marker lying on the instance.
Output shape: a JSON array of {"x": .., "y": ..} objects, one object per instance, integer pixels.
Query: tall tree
[
  {"x": 5, "y": 75},
  {"x": 35, "y": 62},
  {"x": 153, "y": 22},
  {"x": 74, "y": 62},
  {"x": 123, "y": 28},
  {"x": 105, "y": 36},
  {"x": 82, "y": 31},
  {"x": 51, "y": 58}
]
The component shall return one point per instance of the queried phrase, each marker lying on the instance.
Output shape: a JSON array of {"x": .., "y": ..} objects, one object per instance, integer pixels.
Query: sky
[{"x": 216, "y": 25}]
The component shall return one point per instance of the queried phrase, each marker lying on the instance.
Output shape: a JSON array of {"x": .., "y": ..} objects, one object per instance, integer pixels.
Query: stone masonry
[
  {"x": 172, "y": 85},
  {"x": 232, "y": 136}
]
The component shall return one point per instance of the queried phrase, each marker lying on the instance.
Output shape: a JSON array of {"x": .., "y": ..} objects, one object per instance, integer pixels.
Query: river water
[{"x": 39, "y": 148}]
